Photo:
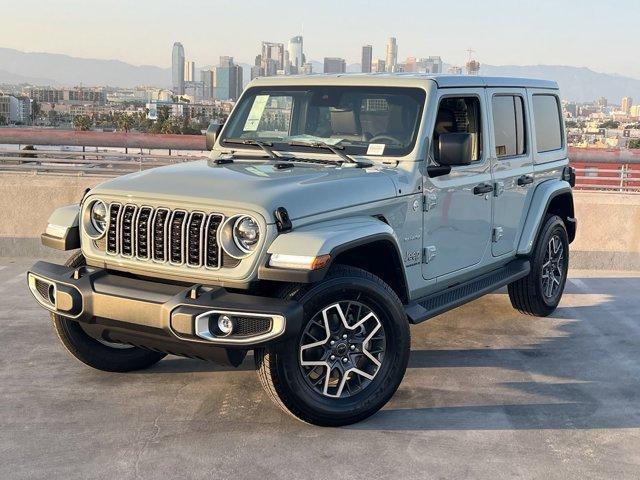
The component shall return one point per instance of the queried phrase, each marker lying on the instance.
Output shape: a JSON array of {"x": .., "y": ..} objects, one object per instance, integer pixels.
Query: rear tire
[
  {"x": 354, "y": 324},
  {"x": 100, "y": 354},
  {"x": 539, "y": 293}
]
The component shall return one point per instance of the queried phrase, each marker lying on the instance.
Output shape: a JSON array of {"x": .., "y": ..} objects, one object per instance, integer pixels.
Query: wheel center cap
[{"x": 341, "y": 348}]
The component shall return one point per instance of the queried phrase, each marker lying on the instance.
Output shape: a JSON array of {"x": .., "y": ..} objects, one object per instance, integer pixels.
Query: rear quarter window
[{"x": 546, "y": 117}]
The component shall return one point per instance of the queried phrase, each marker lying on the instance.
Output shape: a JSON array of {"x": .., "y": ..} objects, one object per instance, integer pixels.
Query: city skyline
[{"x": 422, "y": 29}]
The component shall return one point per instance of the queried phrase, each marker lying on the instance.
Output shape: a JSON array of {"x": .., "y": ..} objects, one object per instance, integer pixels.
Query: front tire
[
  {"x": 539, "y": 293},
  {"x": 351, "y": 353},
  {"x": 98, "y": 353}
]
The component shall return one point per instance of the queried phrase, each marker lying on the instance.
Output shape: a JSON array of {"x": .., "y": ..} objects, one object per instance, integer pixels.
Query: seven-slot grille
[{"x": 162, "y": 235}]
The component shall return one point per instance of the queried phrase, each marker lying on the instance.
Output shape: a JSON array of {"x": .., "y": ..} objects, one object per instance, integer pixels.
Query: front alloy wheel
[
  {"x": 350, "y": 355},
  {"x": 345, "y": 350}
]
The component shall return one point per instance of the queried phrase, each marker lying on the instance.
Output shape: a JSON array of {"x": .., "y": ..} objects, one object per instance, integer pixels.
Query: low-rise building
[{"x": 72, "y": 96}]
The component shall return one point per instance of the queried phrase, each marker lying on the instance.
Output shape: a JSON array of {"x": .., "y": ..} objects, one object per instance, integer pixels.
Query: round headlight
[
  {"x": 98, "y": 216},
  {"x": 246, "y": 234}
]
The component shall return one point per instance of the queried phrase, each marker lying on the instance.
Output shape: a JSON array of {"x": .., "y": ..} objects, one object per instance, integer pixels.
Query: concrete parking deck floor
[{"x": 489, "y": 393}]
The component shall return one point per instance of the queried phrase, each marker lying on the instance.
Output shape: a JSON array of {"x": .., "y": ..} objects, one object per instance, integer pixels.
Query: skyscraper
[
  {"x": 189, "y": 71},
  {"x": 626, "y": 104},
  {"x": 296, "y": 54},
  {"x": 177, "y": 68},
  {"x": 272, "y": 58},
  {"x": 334, "y": 65},
  {"x": 392, "y": 54},
  {"x": 206, "y": 77},
  {"x": 227, "y": 80},
  {"x": 378, "y": 66},
  {"x": 367, "y": 56}
]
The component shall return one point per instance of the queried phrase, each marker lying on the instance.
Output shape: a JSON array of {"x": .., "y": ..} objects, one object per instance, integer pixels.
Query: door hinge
[
  {"x": 497, "y": 234},
  {"x": 429, "y": 253},
  {"x": 498, "y": 189},
  {"x": 429, "y": 202}
]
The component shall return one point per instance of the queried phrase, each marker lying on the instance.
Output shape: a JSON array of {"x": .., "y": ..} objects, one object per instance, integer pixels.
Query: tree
[
  {"x": 125, "y": 122},
  {"x": 82, "y": 123},
  {"x": 53, "y": 117},
  {"x": 35, "y": 111},
  {"x": 634, "y": 143},
  {"x": 609, "y": 124},
  {"x": 163, "y": 113}
]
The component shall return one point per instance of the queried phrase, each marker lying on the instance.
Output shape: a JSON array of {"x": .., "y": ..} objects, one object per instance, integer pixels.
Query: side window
[
  {"x": 459, "y": 115},
  {"x": 546, "y": 115},
  {"x": 508, "y": 125}
]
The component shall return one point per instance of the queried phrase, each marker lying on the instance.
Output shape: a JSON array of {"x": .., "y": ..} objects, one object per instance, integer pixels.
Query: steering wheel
[{"x": 386, "y": 139}]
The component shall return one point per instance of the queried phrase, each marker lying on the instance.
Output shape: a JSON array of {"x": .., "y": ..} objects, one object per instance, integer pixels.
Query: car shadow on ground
[
  {"x": 584, "y": 376},
  {"x": 582, "y": 371}
]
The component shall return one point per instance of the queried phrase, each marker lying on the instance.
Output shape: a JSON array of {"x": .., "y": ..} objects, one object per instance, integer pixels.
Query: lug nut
[
  {"x": 344, "y": 337},
  {"x": 332, "y": 342},
  {"x": 332, "y": 357},
  {"x": 352, "y": 347},
  {"x": 344, "y": 360}
]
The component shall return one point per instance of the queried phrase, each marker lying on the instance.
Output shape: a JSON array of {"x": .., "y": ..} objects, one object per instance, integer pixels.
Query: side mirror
[
  {"x": 212, "y": 134},
  {"x": 455, "y": 149}
]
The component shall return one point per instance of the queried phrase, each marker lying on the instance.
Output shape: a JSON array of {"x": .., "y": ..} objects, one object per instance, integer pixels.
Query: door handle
[
  {"x": 525, "y": 180},
  {"x": 482, "y": 189}
]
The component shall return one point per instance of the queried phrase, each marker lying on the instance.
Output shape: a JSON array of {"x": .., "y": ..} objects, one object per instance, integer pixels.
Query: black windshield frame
[{"x": 241, "y": 113}]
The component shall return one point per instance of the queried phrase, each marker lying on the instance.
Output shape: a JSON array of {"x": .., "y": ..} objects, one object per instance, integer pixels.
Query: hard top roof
[{"x": 404, "y": 79}]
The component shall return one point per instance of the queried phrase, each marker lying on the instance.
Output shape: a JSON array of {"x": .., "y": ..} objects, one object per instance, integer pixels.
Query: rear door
[{"x": 511, "y": 165}]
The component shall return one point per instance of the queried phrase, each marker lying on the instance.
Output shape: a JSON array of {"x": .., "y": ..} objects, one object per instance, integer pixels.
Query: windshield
[{"x": 360, "y": 120}]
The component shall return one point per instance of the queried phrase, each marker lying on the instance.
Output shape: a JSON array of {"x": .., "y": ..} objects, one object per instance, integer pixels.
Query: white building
[
  {"x": 9, "y": 109},
  {"x": 189, "y": 71},
  {"x": 296, "y": 54},
  {"x": 392, "y": 54}
]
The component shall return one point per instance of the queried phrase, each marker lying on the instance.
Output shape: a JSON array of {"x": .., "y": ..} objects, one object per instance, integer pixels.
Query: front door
[
  {"x": 457, "y": 217},
  {"x": 512, "y": 165}
]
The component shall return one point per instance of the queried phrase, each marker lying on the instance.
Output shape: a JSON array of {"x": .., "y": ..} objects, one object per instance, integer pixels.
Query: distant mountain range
[{"x": 577, "y": 83}]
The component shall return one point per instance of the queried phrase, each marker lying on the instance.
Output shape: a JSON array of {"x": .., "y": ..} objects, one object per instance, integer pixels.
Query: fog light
[{"x": 225, "y": 325}]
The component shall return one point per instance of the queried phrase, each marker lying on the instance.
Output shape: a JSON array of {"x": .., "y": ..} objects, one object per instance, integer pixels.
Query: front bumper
[{"x": 175, "y": 319}]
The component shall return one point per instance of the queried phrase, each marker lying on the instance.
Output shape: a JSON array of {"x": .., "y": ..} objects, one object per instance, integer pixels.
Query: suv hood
[{"x": 303, "y": 190}]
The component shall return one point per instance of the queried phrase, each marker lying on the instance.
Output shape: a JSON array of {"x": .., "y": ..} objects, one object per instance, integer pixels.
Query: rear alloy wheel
[
  {"x": 350, "y": 355},
  {"x": 539, "y": 293}
]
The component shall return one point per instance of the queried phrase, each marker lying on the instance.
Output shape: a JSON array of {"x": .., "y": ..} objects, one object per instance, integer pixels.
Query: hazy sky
[{"x": 604, "y": 36}]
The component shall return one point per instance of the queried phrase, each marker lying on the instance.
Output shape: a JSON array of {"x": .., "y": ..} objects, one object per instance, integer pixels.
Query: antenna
[{"x": 470, "y": 51}]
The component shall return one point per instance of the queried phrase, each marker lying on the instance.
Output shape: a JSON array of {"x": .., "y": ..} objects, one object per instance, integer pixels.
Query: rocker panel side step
[{"x": 440, "y": 302}]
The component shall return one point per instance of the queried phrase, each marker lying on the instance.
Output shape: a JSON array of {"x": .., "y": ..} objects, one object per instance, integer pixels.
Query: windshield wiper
[
  {"x": 333, "y": 148},
  {"x": 266, "y": 146}
]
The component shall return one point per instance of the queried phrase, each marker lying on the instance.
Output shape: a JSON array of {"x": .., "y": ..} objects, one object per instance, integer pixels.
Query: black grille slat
[
  {"x": 194, "y": 239},
  {"x": 112, "y": 233},
  {"x": 212, "y": 247},
  {"x": 159, "y": 228},
  {"x": 176, "y": 236},
  {"x": 142, "y": 233},
  {"x": 126, "y": 230}
]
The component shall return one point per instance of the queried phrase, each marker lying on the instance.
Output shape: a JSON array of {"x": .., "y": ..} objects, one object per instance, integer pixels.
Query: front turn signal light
[{"x": 299, "y": 262}]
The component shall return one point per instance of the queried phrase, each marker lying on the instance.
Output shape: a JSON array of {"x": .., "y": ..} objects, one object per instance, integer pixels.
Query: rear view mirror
[
  {"x": 455, "y": 149},
  {"x": 212, "y": 134}
]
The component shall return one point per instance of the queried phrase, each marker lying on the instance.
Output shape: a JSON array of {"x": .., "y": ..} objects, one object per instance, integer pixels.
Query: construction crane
[{"x": 472, "y": 66}]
